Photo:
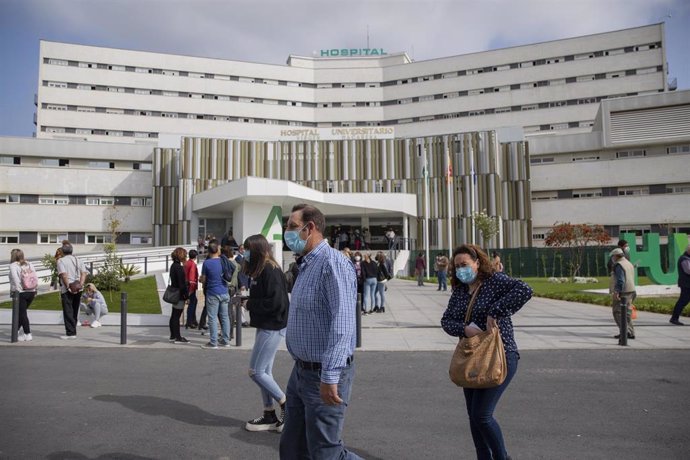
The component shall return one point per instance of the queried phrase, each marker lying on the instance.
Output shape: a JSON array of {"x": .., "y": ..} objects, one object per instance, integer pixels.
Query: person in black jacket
[
  {"x": 178, "y": 280},
  {"x": 268, "y": 311}
]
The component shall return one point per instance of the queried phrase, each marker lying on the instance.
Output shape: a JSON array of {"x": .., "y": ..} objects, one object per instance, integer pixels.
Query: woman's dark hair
[
  {"x": 66, "y": 249},
  {"x": 260, "y": 255},
  {"x": 179, "y": 255},
  {"x": 213, "y": 246},
  {"x": 475, "y": 252},
  {"x": 192, "y": 254}
]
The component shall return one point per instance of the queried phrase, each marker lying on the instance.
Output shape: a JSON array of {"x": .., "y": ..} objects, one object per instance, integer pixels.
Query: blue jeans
[
  {"x": 215, "y": 304},
  {"x": 261, "y": 365},
  {"x": 486, "y": 433},
  {"x": 312, "y": 429},
  {"x": 381, "y": 294},
  {"x": 442, "y": 276},
  {"x": 191, "y": 309},
  {"x": 369, "y": 293}
]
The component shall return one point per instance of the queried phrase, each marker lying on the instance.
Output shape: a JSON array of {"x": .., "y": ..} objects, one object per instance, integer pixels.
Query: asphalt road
[{"x": 74, "y": 403}]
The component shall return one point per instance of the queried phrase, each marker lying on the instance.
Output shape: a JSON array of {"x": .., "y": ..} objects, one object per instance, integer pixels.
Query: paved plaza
[{"x": 577, "y": 393}]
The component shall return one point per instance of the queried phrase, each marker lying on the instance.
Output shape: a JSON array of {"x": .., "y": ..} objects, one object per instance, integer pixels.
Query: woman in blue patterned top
[{"x": 498, "y": 298}]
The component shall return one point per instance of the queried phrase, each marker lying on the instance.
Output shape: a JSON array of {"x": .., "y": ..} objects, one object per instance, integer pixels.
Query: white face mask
[{"x": 357, "y": 258}]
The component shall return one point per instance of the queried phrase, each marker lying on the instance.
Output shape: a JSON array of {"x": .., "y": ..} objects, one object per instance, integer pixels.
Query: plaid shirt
[{"x": 321, "y": 321}]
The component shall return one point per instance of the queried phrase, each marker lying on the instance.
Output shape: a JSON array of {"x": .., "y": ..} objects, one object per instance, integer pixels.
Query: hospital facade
[{"x": 181, "y": 146}]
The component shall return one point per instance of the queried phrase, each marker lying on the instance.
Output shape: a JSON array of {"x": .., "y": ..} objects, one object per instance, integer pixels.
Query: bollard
[
  {"x": 146, "y": 271},
  {"x": 623, "y": 339},
  {"x": 358, "y": 317},
  {"x": 14, "y": 337},
  {"x": 166, "y": 263},
  {"x": 91, "y": 268},
  {"x": 238, "y": 323},
  {"x": 123, "y": 318}
]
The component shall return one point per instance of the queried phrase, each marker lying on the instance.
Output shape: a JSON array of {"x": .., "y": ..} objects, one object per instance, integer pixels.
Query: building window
[
  {"x": 98, "y": 238},
  {"x": 60, "y": 162},
  {"x": 86, "y": 109},
  {"x": 100, "y": 201},
  {"x": 541, "y": 160},
  {"x": 56, "y": 107},
  {"x": 10, "y": 199},
  {"x": 140, "y": 239},
  {"x": 679, "y": 188},
  {"x": 633, "y": 191},
  {"x": 671, "y": 150},
  {"x": 57, "y": 62},
  {"x": 538, "y": 236},
  {"x": 631, "y": 154},
  {"x": 9, "y": 238},
  {"x": 142, "y": 91},
  {"x": 586, "y": 158},
  {"x": 55, "y": 130},
  {"x": 587, "y": 193},
  {"x": 101, "y": 164},
  {"x": 142, "y": 166},
  {"x": 57, "y": 84},
  {"x": 141, "y": 201},
  {"x": 9, "y": 160},
  {"x": 58, "y": 200},
  {"x": 51, "y": 238}
]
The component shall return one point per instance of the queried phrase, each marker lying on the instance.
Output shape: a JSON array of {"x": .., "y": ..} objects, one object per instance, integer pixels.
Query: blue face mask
[
  {"x": 294, "y": 242},
  {"x": 246, "y": 255},
  {"x": 465, "y": 274}
]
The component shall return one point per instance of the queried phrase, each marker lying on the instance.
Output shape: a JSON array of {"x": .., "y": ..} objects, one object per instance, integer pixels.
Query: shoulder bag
[
  {"x": 75, "y": 287},
  {"x": 479, "y": 361},
  {"x": 171, "y": 294}
]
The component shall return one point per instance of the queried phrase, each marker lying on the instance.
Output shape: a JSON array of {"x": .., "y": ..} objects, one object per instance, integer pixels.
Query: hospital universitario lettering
[
  {"x": 353, "y": 52},
  {"x": 337, "y": 133}
]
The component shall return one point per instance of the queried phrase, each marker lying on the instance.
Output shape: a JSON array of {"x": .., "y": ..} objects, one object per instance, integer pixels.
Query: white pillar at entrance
[{"x": 259, "y": 218}]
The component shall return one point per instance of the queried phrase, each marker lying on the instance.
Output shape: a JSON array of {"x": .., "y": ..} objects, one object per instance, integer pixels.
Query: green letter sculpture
[{"x": 649, "y": 258}]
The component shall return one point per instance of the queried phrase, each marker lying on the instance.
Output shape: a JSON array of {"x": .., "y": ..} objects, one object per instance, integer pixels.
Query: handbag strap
[{"x": 471, "y": 304}]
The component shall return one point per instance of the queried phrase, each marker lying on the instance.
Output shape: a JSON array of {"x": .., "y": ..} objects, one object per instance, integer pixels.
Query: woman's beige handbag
[{"x": 479, "y": 361}]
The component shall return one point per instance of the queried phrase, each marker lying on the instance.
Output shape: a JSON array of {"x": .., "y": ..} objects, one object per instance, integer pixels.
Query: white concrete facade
[
  {"x": 631, "y": 174},
  {"x": 115, "y": 95},
  {"x": 55, "y": 189}
]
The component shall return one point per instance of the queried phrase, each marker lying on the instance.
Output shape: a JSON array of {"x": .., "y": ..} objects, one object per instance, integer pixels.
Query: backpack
[
  {"x": 230, "y": 272},
  {"x": 29, "y": 279}
]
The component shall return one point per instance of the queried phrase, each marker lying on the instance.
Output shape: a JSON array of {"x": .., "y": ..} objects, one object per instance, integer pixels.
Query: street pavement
[{"x": 577, "y": 394}]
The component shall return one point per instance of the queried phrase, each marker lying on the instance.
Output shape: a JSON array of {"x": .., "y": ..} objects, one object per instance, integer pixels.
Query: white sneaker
[
  {"x": 28, "y": 338},
  {"x": 21, "y": 337},
  {"x": 96, "y": 324},
  {"x": 68, "y": 337}
]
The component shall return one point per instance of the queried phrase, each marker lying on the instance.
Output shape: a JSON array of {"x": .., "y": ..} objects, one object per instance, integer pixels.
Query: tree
[
  {"x": 574, "y": 239},
  {"x": 487, "y": 225},
  {"x": 110, "y": 272}
]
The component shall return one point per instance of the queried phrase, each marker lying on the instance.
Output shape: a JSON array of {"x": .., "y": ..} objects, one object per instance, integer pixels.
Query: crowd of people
[{"x": 311, "y": 306}]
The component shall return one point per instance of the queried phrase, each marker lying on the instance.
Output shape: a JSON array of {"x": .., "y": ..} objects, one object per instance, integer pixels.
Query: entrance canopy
[{"x": 226, "y": 198}]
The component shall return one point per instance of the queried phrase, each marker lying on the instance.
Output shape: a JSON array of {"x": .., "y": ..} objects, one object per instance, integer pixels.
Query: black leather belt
[{"x": 317, "y": 366}]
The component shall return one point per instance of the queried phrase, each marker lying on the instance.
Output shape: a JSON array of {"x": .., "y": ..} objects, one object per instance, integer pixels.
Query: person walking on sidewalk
[
  {"x": 191, "y": 273},
  {"x": 419, "y": 268},
  {"x": 497, "y": 298},
  {"x": 623, "y": 291},
  {"x": 217, "y": 297},
  {"x": 23, "y": 283},
  {"x": 72, "y": 274},
  {"x": 369, "y": 271},
  {"x": 177, "y": 280},
  {"x": 684, "y": 284},
  {"x": 441, "y": 267},
  {"x": 321, "y": 339},
  {"x": 268, "y": 313}
]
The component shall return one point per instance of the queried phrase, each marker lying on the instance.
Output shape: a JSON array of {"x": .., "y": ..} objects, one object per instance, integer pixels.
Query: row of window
[
  {"x": 445, "y": 116},
  {"x": 13, "y": 198},
  {"x": 634, "y": 153},
  {"x": 89, "y": 238},
  {"x": 638, "y": 230},
  {"x": 420, "y": 79},
  {"x": 64, "y": 163},
  {"x": 430, "y": 97},
  {"x": 639, "y": 190}
]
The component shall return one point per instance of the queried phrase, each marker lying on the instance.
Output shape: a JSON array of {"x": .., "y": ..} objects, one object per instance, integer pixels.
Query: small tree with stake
[
  {"x": 487, "y": 226},
  {"x": 109, "y": 274},
  {"x": 574, "y": 239}
]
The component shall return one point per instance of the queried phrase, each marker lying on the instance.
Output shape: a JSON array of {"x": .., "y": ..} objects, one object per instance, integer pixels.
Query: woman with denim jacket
[{"x": 498, "y": 298}]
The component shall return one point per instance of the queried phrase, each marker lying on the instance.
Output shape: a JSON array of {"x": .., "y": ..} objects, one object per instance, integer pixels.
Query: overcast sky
[{"x": 269, "y": 31}]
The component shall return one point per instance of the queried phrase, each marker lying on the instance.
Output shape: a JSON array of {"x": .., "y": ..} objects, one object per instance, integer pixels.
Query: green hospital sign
[
  {"x": 353, "y": 52},
  {"x": 649, "y": 257}
]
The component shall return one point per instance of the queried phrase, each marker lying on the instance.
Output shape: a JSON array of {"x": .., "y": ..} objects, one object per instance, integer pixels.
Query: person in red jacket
[{"x": 191, "y": 272}]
